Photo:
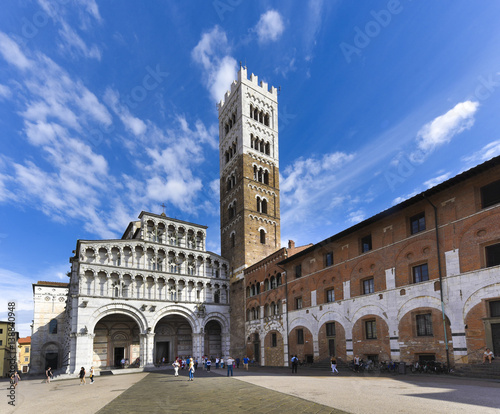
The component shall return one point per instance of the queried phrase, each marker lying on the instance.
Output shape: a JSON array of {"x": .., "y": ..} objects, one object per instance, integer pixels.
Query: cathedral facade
[{"x": 138, "y": 301}]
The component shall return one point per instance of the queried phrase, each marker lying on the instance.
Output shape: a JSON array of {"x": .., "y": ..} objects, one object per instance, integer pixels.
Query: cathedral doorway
[
  {"x": 116, "y": 338},
  {"x": 173, "y": 338},
  {"x": 213, "y": 339}
]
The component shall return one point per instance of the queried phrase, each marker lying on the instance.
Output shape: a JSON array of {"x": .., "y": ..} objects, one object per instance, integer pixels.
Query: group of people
[
  {"x": 82, "y": 374},
  {"x": 191, "y": 364}
]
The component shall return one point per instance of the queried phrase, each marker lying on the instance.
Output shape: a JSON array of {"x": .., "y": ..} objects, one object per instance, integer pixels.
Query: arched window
[
  {"x": 258, "y": 288},
  {"x": 259, "y": 204},
  {"x": 273, "y": 282},
  {"x": 260, "y": 176},
  {"x": 268, "y": 147},
  {"x": 266, "y": 177},
  {"x": 227, "y": 156},
  {"x": 256, "y": 114},
  {"x": 217, "y": 297},
  {"x": 53, "y": 326},
  {"x": 266, "y": 120},
  {"x": 264, "y": 206},
  {"x": 271, "y": 309},
  {"x": 251, "y": 111},
  {"x": 261, "y": 117},
  {"x": 253, "y": 290},
  {"x": 249, "y": 315},
  {"x": 255, "y": 172},
  {"x": 266, "y": 284},
  {"x": 278, "y": 279},
  {"x": 263, "y": 237},
  {"x": 233, "y": 240},
  {"x": 266, "y": 310}
]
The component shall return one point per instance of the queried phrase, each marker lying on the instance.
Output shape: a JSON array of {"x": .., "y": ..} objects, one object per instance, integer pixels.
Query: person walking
[
  {"x": 191, "y": 370},
  {"x": 229, "y": 363},
  {"x": 15, "y": 378},
  {"x": 91, "y": 376},
  {"x": 176, "y": 366},
  {"x": 209, "y": 364},
  {"x": 48, "y": 375},
  {"x": 221, "y": 362},
  {"x": 82, "y": 376},
  {"x": 295, "y": 364},
  {"x": 245, "y": 363},
  {"x": 217, "y": 360},
  {"x": 334, "y": 365}
]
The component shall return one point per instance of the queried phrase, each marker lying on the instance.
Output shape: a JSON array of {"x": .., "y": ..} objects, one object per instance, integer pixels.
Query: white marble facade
[{"x": 154, "y": 294}]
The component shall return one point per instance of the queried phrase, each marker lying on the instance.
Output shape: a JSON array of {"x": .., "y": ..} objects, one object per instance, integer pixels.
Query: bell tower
[{"x": 249, "y": 173}]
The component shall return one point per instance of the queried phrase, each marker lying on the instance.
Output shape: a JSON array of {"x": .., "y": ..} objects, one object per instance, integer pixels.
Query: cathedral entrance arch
[
  {"x": 116, "y": 342},
  {"x": 213, "y": 339},
  {"x": 173, "y": 338}
]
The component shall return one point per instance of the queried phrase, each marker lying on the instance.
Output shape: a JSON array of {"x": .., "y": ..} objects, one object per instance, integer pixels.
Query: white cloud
[
  {"x": 486, "y": 153},
  {"x": 5, "y": 91},
  {"x": 400, "y": 199},
  {"x": 220, "y": 69},
  {"x": 133, "y": 124},
  {"x": 443, "y": 128},
  {"x": 437, "y": 180},
  {"x": 12, "y": 53},
  {"x": 270, "y": 26},
  {"x": 356, "y": 216},
  {"x": 72, "y": 43}
]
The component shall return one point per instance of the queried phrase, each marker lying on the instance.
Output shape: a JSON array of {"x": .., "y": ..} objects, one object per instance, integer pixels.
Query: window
[
  {"x": 298, "y": 303},
  {"x": 424, "y": 325},
  {"x": 371, "y": 330},
  {"x": 233, "y": 240},
  {"x": 263, "y": 236},
  {"x": 1, "y": 342},
  {"x": 494, "y": 308},
  {"x": 53, "y": 326},
  {"x": 330, "y": 329},
  {"x": 366, "y": 243},
  {"x": 1, "y": 331},
  {"x": 26, "y": 349},
  {"x": 490, "y": 194},
  {"x": 273, "y": 340},
  {"x": 329, "y": 259},
  {"x": 330, "y": 295},
  {"x": 368, "y": 286},
  {"x": 300, "y": 336},
  {"x": 420, "y": 273},
  {"x": 298, "y": 271},
  {"x": 26, "y": 359},
  {"x": 417, "y": 223},
  {"x": 492, "y": 255}
]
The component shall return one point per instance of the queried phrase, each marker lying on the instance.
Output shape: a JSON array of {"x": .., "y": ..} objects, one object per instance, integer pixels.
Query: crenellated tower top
[{"x": 253, "y": 81}]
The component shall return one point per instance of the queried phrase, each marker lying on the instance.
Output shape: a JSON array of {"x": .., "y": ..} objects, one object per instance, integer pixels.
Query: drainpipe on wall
[
  {"x": 440, "y": 281},
  {"x": 286, "y": 296}
]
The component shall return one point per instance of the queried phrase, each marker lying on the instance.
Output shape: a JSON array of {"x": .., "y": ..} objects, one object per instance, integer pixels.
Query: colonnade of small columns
[
  {"x": 153, "y": 258},
  {"x": 100, "y": 283}
]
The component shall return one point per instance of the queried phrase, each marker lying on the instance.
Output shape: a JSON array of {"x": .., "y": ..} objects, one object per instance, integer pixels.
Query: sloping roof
[
  {"x": 24, "y": 341},
  {"x": 472, "y": 172}
]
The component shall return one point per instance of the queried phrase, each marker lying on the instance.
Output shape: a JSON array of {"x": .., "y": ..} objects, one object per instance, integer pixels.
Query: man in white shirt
[{"x": 229, "y": 363}]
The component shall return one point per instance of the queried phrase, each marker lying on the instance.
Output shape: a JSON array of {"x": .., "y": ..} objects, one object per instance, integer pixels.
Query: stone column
[{"x": 147, "y": 349}]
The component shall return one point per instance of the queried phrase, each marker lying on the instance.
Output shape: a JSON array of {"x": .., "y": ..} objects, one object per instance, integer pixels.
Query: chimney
[{"x": 291, "y": 244}]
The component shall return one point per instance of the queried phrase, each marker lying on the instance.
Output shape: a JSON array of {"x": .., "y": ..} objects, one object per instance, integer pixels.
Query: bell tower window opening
[
  {"x": 233, "y": 239},
  {"x": 262, "y": 236}
]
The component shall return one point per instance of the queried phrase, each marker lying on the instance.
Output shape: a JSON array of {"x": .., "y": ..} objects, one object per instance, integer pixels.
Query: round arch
[{"x": 120, "y": 308}]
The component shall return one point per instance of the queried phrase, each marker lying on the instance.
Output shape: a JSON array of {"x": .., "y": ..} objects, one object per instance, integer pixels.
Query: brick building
[{"x": 399, "y": 286}]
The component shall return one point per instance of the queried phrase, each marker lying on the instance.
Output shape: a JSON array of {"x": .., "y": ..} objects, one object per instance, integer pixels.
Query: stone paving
[
  {"x": 260, "y": 390},
  {"x": 161, "y": 392}
]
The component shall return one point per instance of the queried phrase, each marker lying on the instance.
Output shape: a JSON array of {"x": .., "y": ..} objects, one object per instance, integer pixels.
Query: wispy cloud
[
  {"x": 437, "y": 180},
  {"x": 5, "y": 91},
  {"x": 71, "y": 42},
  {"x": 12, "y": 53},
  {"x": 133, "y": 124},
  {"x": 486, "y": 153},
  {"x": 444, "y": 127},
  {"x": 212, "y": 53},
  {"x": 270, "y": 27}
]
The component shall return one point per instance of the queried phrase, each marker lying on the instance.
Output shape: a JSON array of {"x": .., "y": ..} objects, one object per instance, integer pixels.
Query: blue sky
[{"x": 109, "y": 108}]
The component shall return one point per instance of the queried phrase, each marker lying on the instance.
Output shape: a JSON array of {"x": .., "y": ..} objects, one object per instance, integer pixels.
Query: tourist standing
[
  {"x": 221, "y": 362},
  {"x": 208, "y": 363},
  {"x": 237, "y": 362},
  {"x": 245, "y": 363},
  {"x": 91, "y": 376},
  {"x": 295, "y": 364},
  {"x": 82, "y": 376},
  {"x": 176, "y": 368},
  {"x": 229, "y": 363},
  {"x": 217, "y": 360},
  {"x": 191, "y": 370}
]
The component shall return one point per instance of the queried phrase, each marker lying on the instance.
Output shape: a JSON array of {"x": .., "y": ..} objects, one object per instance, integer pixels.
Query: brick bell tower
[{"x": 249, "y": 186}]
